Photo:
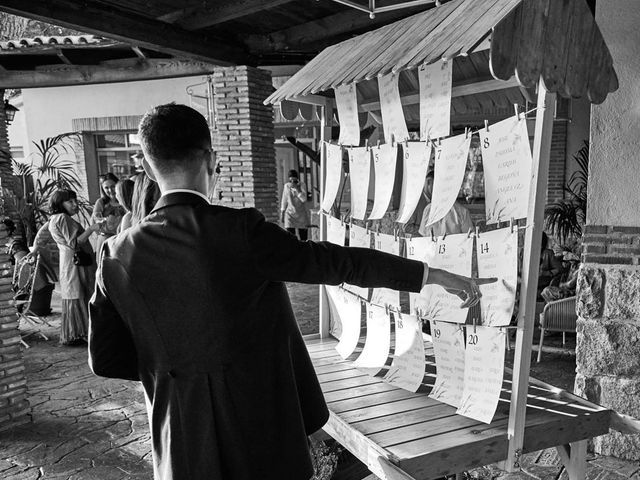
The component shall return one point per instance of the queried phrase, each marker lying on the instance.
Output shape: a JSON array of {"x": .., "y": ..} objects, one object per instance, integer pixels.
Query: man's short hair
[{"x": 171, "y": 134}]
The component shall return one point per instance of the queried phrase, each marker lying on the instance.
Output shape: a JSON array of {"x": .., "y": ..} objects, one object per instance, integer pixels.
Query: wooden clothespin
[
  {"x": 477, "y": 232},
  {"x": 470, "y": 232},
  {"x": 486, "y": 125},
  {"x": 444, "y": 235},
  {"x": 342, "y": 218},
  {"x": 475, "y": 320},
  {"x": 378, "y": 228},
  {"x": 386, "y": 309},
  {"x": 466, "y": 132},
  {"x": 517, "y": 110},
  {"x": 511, "y": 222},
  {"x": 366, "y": 143},
  {"x": 439, "y": 142},
  {"x": 433, "y": 236},
  {"x": 378, "y": 144}
]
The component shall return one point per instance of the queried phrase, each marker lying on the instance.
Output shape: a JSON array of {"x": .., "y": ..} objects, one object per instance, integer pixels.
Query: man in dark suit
[{"x": 192, "y": 303}]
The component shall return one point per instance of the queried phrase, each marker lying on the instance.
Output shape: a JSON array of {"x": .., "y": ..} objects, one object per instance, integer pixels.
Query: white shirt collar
[{"x": 185, "y": 190}]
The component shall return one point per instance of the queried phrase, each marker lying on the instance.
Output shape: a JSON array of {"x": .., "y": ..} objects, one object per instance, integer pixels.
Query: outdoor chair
[
  {"x": 558, "y": 316},
  {"x": 24, "y": 282}
]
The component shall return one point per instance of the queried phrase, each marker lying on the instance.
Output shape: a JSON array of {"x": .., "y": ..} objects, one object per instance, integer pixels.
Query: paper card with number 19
[{"x": 448, "y": 346}]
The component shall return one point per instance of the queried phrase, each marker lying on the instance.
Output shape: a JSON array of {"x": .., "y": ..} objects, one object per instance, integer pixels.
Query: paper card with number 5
[
  {"x": 448, "y": 346},
  {"x": 498, "y": 257},
  {"x": 384, "y": 163},
  {"x": 393, "y": 122},
  {"x": 453, "y": 253},
  {"x": 348, "y": 310},
  {"x": 347, "y": 104},
  {"x": 506, "y": 159},
  {"x": 421, "y": 249},
  {"x": 450, "y": 163},
  {"x": 358, "y": 237},
  {"x": 386, "y": 296},
  {"x": 378, "y": 343},
  {"x": 435, "y": 100},
  {"x": 359, "y": 170},
  {"x": 483, "y": 372},
  {"x": 407, "y": 368},
  {"x": 415, "y": 161},
  {"x": 333, "y": 157}
]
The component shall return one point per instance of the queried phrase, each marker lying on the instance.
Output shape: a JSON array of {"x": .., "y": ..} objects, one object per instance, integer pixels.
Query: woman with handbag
[{"x": 77, "y": 265}]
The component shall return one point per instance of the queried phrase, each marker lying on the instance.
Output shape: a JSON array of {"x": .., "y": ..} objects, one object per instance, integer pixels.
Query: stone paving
[{"x": 89, "y": 428}]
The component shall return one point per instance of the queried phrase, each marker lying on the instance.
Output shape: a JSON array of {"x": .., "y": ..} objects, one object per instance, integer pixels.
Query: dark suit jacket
[{"x": 192, "y": 303}]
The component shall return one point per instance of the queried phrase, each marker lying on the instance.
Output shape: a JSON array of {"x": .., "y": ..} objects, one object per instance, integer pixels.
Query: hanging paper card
[
  {"x": 454, "y": 254},
  {"x": 359, "y": 169},
  {"x": 378, "y": 343},
  {"x": 333, "y": 158},
  {"x": 416, "y": 157},
  {"x": 335, "y": 324},
  {"x": 506, "y": 158},
  {"x": 384, "y": 162},
  {"x": 348, "y": 310},
  {"x": 435, "y": 100},
  {"x": 336, "y": 231},
  {"x": 347, "y": 103},
  {"x": 421, "y": 249},
  {"x": 498, "y": 257},
  {"x": 450, "y": 163},
  {"x": 393, "y": 122},
  {"x": 407, "y": 368},
  {"x": 483, "y": 371},
  {"x": 358, "y": 237},
  {"x": 386, "y": 296},
  {"x": 448, "y": 346}
]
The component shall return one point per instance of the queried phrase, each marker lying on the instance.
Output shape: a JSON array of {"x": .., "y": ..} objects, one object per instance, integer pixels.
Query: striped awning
[{"x": 556, "y": 31}]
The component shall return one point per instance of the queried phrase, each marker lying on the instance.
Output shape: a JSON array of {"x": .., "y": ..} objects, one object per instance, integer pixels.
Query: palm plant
[
  {"x": 49, "y": 171},
  {"x": 565, "y": 218}
]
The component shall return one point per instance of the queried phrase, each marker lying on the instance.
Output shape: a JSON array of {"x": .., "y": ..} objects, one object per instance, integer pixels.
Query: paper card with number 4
[
  {"x": 407, "y": 369},
  {"x": 498, "y": 257},
  {"x": 348, "y": 312},
  {"x": 333, "y": 158},
  {"x": 435, "y": 100},
  {"x": 359, "y": 170},
  {"x": 359, "y": 237},
  {"x": 384, "y": 164},
  {"x": 386, "y": 296},
  {"x": 506, "y": 159},
  {"x": 378, "y": 342},
  {"x": 347, "y": 104},
  {"x": 453, "y": 253},
  {"x": 448, "y": 346},
  {"x": 415, "y": 160},
  {"x": 483, "y": 372}
]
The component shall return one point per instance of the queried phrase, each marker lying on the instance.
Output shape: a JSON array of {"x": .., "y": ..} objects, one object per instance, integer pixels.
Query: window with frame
[{"x": 116, "y": 152}]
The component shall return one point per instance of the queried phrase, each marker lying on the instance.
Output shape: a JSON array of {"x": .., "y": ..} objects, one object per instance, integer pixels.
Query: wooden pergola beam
[
  {"x": 93, "y": 17},
  {"x": 127, "y": 70},
  {"x": 223, "y": 11}
]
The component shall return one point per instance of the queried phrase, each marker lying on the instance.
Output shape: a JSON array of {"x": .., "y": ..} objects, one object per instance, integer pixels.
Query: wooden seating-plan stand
[{"x": 554, "y": 47}]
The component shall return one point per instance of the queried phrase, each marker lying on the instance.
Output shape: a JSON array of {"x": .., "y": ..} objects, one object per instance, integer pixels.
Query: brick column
[
  {"x": 244, "y": 139},
  {"x": 13, "y": 384}
]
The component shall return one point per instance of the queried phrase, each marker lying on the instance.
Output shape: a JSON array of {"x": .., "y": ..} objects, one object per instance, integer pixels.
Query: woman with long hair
[
  {"x": 76, "y": 281},
  {"x": 124, "y": 194},
  {"x": 146, "y": 194},
  {"x": 107, "y": 210}
]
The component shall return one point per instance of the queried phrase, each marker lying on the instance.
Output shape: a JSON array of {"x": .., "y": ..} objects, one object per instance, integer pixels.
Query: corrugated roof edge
[{"x": 53, "y": 40}]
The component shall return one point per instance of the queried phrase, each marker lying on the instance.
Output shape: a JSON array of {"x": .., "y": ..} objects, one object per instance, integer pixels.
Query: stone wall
[
  {"x": 608, "y": 331},
  {"x": 243, "y": 138}
]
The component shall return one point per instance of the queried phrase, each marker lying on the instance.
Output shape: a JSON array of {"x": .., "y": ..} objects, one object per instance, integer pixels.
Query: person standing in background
[
  {"x": 124, "y": 194},
  {"x": 293, "y": 208},
  {"x": 107, "y": 211},
  {"x": 145, "y": 196}
]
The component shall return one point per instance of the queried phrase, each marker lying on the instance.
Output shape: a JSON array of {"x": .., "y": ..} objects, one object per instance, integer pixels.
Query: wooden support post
[
  {"x": 530, "y": 266},
  {"x": 574, "y": 458},
  {"x": 326, "y": 114}
]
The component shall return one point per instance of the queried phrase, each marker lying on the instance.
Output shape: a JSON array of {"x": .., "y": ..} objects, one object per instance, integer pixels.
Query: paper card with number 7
[{"x": 498, "y": 257}]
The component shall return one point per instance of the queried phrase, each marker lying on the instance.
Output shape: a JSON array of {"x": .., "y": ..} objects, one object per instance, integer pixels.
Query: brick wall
[
  {"x": 611, "y": 245},
  {"x": 557, "y": 162},
  {"x": 243, "y": 139},
  {"x": 13, "y": 383}
]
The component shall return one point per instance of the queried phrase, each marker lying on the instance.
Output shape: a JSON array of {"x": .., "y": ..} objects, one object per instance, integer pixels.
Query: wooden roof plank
[
  {"x": 506, "y": 34},
  {"x": 529, "y": 50},
  {"x": 556, "y": 48}
]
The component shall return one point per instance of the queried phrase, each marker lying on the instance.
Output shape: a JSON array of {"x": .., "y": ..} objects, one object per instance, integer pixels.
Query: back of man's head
[{"x": 173, "y": 137}]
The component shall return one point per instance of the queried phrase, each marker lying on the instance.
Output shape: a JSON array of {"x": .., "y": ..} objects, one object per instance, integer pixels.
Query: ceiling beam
[
  {"x": 93, "y": 17},
  {"x": 217, "y": 12},
  {"x": 129, "y": 70}
]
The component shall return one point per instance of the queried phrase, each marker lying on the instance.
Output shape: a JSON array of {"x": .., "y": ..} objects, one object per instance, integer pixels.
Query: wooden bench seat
[{"x": 399, "y": 434}]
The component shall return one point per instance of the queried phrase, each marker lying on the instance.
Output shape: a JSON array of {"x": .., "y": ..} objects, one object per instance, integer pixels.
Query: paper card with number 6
[
  {"x": 393, "y": 122},
  {"x": 378, "y": 343},
  {"x": 415, "y": 158},
  {"x": 453, "y": 253},
  {"x": 359, "y": 237},
  {"x": 483, "y": 372},
  {"x": 359, "y": 170},
  {"x": 506, "y": 159},
  {"x": 421, "y": 249},
  {"x": 347, "y": 104},
  {"x": 450, "y": 163},
  {"x": 407, "y": 368},
  {"x": 336, "y": 230},
  {"x": 333, "y": 158},
  {"x": 384, "y": 163},
  {"x": 435, "y": 100},
  {"x": 498, "y": 257},
  {"x": 348, "y": 311},
  {"x": 448, "y": 346},
  {"x": 386, "y": 296}
]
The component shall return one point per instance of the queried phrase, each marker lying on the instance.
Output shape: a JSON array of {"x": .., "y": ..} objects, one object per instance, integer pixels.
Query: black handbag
[{"x": 82, "y": 258}]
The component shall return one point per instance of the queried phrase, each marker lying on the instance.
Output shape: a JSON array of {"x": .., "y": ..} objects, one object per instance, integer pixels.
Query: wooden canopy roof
[{"x": 556, "y": 39}]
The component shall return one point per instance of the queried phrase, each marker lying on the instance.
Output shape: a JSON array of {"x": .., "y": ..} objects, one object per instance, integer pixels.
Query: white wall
[
  {"x": 614, "y": 177},
  {"x": 18, "y": 128}
]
